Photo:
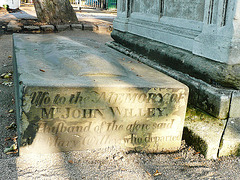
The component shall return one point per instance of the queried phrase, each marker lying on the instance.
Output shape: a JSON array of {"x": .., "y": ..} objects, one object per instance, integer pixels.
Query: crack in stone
[{"x": 225, "y": 127}]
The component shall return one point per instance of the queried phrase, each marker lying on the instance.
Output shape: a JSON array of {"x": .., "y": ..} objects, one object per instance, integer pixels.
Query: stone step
[{"x": 72, "y": 96}]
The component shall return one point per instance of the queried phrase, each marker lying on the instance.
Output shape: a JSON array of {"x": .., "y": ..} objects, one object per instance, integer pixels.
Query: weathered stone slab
[
  {"x": 234, "y": 108},
  {"x": 70, "y": 96},
  {"x": 230, "y": 144},
  {"x": 204, "y": 132},
  {"x": 213, "y": 100}
]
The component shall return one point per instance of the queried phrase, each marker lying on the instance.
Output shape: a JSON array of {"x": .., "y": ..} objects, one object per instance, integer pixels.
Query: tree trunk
[{"x": 55, "y": 11}]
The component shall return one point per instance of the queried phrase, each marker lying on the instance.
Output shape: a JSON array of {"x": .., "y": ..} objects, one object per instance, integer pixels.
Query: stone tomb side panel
[
  {"x": 66, "y": 119},
  {"x": 146, "y": 7},
  {"x": 185, "y": 9}
]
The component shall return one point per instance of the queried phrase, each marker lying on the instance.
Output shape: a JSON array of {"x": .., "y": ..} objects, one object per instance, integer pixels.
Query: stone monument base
[
  {"x": 213, "y": 135},
  {"x": 205, "y": 78}
]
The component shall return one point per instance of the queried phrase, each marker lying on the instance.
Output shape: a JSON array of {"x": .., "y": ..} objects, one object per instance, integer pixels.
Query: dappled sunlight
[
  {"x": 80, "y": 96},
  {"x": 24, "y": 13},
  {"x": 84, "y": 99}
]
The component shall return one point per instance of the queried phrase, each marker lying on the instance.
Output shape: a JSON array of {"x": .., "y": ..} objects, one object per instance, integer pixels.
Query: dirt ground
[{"x": 107, "y": 163}]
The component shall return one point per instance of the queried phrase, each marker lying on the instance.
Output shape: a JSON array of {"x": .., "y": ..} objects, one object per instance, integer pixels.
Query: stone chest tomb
[
  {"x": 196, "y": 42},
  {"x": 70, "y": 96}
]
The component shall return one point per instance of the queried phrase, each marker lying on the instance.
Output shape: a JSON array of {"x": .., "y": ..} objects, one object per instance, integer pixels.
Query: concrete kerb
[
  {"x": 58, "y": 28},
  {"x": 220, "y": 103}
]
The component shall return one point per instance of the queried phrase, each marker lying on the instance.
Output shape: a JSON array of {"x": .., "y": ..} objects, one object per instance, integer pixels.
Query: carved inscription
[
  {"x": 78, "y": 120},
  {"x": 42, "y": 98}
]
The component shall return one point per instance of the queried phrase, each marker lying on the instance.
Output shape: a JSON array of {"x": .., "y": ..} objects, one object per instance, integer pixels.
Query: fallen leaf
[
  {"x": 123, "y": 169},
  {"x": 70, "y": 161},
  {"x": 7, "y": 139},
  {"x": 13, "y": 147},
  {"x": 189, "y": 148},
  {"x": 12, "y": 152},
  {"x": 9, "y": 57},
  {"x": 196, "y": 153},
  {"x": 148, "y": 173},
  {"x": 11, "y": 111},
  {"x": 6, "y": 75},
  {"x": 2, "y": 75},
  {"x": 178, "y": 158},
  {"x": 157, "y": 173},
  {"x": 129, "y": 61},
  {"x": 11, "y": 126},
  {"x": 15, "y": 139},
  {"x": 42, "y": 70}
]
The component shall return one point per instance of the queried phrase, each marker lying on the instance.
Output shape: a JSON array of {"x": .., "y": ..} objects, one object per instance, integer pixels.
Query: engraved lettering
[
  {"x": 82, "y": 113},
  {"x": 130, "y": 98},
  {"x": 163, "y": 125},
  {"x": 76, "y": 113},
  {"x": 136, "y": 140},
  {"x": 38, "y": 98},
  {"x": 118, "y": 98},
  {"x": 113, "y": 126},
  {"x": 67, "y": 114},
  {"x": 55, "y": 101},
  {"x": 137, "y": 126},
  {"x": 48, "y": 114},
  {"x": 75, "y": 99},
  {"x": 63, "y": 128}
]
